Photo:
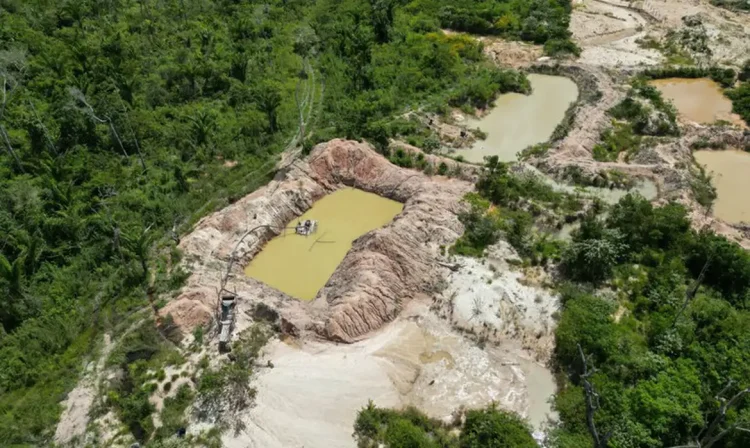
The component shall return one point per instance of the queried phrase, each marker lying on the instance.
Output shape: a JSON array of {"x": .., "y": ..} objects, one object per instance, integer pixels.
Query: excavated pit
[
  {"x": 384, "y": 270},
  {"x": 300, "y": 265}
]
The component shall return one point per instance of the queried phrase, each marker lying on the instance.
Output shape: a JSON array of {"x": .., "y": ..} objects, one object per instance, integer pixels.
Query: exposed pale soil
[
  {"x": 608, "y": 30},
  {"x": 417, "y": 359},
  {"x": 75, "y": 416},
  {"x": 491, "y": 300},
  {"x": 607, "y": 33},
  {"x": 511, "y": 53}
]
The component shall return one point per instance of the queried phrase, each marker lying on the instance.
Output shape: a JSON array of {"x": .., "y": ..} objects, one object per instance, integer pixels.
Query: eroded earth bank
[{"x": 393, "y": 302}]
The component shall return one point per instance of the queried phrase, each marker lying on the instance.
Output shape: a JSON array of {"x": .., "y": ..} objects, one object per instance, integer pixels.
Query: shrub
[
  {"x": 492, "y": 428},
  {"x": 442, "y": 169},
  {"x": 741, "y": 100},
  {"x": 561, "y": 47},
  {"x": 615, "y": 140}
]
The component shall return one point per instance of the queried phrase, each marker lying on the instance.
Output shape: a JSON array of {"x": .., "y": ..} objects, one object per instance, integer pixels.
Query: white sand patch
[
  {"x": 312, "y": 395},
  {"x": 490, "y": 299},
  {"x": 75, "y": 416}
]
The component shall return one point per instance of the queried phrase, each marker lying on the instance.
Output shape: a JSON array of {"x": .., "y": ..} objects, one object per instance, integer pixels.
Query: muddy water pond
[
  {"x": 700, "y": 100},
  {"x": 730, "y": 171},
  {"x": 518, "y": 121},
  {"x": 301, "y": 265}
]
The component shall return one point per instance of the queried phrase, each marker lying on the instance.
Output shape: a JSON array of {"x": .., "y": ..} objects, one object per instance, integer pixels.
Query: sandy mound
[
  {"x": 486, "y": 298},
  {"x": 383, "y": 271},
  {"x": 77, "y": 405}
]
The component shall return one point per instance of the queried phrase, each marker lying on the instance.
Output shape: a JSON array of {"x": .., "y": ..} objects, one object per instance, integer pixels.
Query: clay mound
[{"x": 382, "y": 272}]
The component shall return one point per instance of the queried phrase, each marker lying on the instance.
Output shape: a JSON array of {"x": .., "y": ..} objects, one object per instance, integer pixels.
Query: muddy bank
[{"x": 383, "y": 271}]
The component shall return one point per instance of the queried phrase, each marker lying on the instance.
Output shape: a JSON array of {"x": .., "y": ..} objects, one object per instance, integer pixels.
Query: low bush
[
  {"x": 741, "y": 100},
  {"x": 619, "y": 138}
]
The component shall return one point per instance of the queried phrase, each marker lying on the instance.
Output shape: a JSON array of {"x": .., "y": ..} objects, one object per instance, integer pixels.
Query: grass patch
[{"x": 619, "y": 138}]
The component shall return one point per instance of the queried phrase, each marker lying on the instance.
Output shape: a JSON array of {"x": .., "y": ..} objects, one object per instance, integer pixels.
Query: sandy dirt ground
[
  {"x": 608, "y": 30},
  {"x": 416, "y": 360},
  {"x": 75, "y": 416},
  {"x": 489, "y": 298},
  {"x": 607, "y": 34}
]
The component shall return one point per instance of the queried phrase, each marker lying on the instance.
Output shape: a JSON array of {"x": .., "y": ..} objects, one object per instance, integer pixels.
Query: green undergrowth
[
  {"x": 701, "y": 186},
  {"x": 619, "y": 138},
  {"x": 418, "y": 161},
  {"x": 741, "y": 100},
  {"x": 490, "y": 427},
  {"x": 646, "y": 111},
  {"x": 141, "y": 357},
  {"x": 225, "y": 390},
  {"x": 509, "y": 205}
]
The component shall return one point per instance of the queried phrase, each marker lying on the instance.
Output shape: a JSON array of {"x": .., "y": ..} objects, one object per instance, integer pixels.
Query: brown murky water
[
  {"x": 731, "y": 177},
  {"x": 518, "y": 121},
  {"x": 301, "y": 265},
  {"x": 700, "y": 100}
]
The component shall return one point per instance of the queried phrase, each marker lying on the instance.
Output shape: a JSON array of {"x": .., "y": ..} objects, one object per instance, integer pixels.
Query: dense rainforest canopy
[{"x": 124, "y": 121}]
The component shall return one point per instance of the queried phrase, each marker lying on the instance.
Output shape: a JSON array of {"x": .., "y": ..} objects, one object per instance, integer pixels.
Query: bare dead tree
[
  {"x": 137, "y": 145},
  {"x": 592, "y": 403},
  {"x": 714, "y": 432},
  {"x": 12, "y": 67},
  {"x": 9, "y": 148},
  {"x": 693, "y": 290},
  {"x": 47, "y": 138},
  {"x": 89, "y": 110}
]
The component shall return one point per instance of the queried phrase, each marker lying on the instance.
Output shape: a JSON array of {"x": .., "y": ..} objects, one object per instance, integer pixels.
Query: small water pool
[
  {"x": 518, "y": 121},
  {"x": 729, "y": 169},
  {"x": 301, "y": 265},
  {"x": 700, "y": 100}
]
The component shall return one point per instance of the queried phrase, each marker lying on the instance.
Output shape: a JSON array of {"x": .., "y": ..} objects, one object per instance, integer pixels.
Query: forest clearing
[{"x": 374, "y": 223}]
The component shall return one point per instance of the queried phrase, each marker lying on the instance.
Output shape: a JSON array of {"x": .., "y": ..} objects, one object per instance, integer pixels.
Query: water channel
[
  {"x": 700, "y": 100},
  {"x": 518, "y": 121},
  {"x": 301, "y": 265},
  {"x": 730, "y": 170}
]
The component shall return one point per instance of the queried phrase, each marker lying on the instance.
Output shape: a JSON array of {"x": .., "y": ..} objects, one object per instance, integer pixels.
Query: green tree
[
  {"x": 269, "y": 100},
  {"x": 492, "y": 428}
]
